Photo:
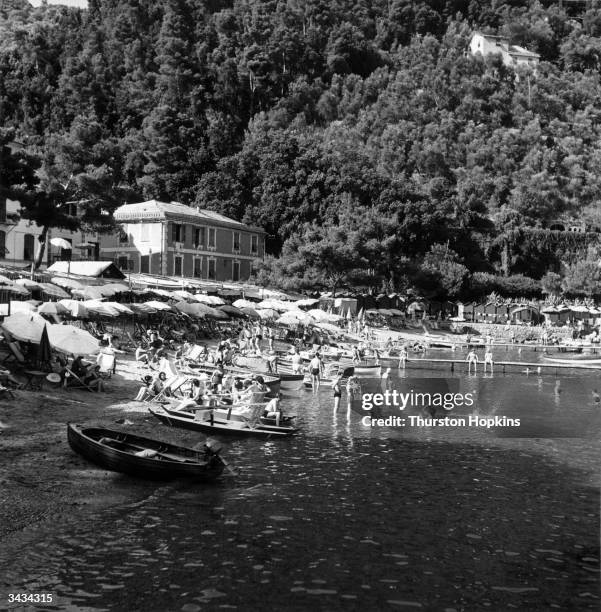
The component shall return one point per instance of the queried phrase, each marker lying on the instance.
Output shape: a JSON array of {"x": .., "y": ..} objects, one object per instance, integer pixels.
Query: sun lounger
[
  {"x": 171, "y": 386},
  {"x": 75, "y": 381}
]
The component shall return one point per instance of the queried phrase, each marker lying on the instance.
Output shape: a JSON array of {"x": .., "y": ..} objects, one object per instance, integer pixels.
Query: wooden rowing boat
[
  {"x": 207, "y": 422},
  {"x": 143, "y": 457}
]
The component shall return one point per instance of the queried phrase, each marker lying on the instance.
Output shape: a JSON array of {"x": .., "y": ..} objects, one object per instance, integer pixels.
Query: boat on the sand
[{"x": 144, "y": 457}]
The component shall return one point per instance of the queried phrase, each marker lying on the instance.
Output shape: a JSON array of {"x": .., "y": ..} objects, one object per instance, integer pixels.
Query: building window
[
  {"x": 144, "y": 227},
  {"x": 178, "y": 266},
  {"x": 123, "y": 236},
  {"x": 28, "y": 247},
  {"x": 145, "y": 264},
  {"x": 236, "y": 271},
  {"x": 254, "y": 244},
  {"x": 2, "y": 210},
  {"x": 212, "y": 239},
  {"x": 212, "y": 269},
  {"x": 178, "y": 232},
  {"x": 236, "y": 243},
  {"x": 198, "y": 267},
  {"x": 199, "y": 237},
  {"x": 2, "y": 244}
]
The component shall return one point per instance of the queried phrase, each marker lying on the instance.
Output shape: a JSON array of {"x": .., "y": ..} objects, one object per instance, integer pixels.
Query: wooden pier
[{"x": 503, "y": 365}]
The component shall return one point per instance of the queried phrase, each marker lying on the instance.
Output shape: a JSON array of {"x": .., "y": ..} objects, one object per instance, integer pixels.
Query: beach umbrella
[
  {"x": 306, "y": 302},
  {"x": 212, "y": 300},
  {"x": 88, "y": 293},
  {"x": 53, "y": 308},
  {"x": 182, "y": 293},
  {"x": 16, "y": 289},
  {"x": 241, "y": 303},
  {"x": 44, "y": 352},
  {"x": 232, "y": 311},
  {"x": 66, "y": 283},
  {"x": 4, "y": 280},
  {"x": 26, "y": 282},
  {"x": 143, "y": 309},
  {"x": 295, "y": 317},
  {"x": 75, "y": 308},
  {"x": 112, "y": 289},
  {"x": 101, "y": 308},
  {"x": 160, "y": 292},
  {"x": 17, "y": 306},
  {"x": 268, "y": 313},
  {"x": 251, "y": 313},
  {"x": 72, "y": 340},
  {"x": 120, "y": 308},
  {"x": 156, "y": 305},
  {"x": 25, "y": 326},
  {"x": 53, "y": 291},
  {"x": 61, "y": 243}
]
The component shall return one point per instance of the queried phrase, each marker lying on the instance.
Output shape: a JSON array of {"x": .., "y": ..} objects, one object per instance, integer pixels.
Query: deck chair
[
  {"x": 107, "y": 363},
  {"x": 170, "y": 387},
  {"x": 193, "y": 354},
  {"x": 76, "y": 380}
]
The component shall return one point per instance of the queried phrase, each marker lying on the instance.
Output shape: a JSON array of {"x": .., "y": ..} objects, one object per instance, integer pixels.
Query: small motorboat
[
  {"x": 144, "y": 457},
  {"x": 575, "y": 359},
  {"x": 212, "y": 421}
]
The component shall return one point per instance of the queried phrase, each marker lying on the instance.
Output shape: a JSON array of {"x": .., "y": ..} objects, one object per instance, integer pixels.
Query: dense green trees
[{"x": 372, "y": 148}]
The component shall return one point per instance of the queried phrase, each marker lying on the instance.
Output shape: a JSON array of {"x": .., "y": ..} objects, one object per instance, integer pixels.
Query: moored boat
[
  {"x": 575, "y": 359},
  {"x": 143, "y": 457},
  {"x": 207, "y": 421}
]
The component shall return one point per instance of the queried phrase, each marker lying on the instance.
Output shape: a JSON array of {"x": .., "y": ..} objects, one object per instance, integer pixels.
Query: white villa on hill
[{"x": 486, "y": 44}]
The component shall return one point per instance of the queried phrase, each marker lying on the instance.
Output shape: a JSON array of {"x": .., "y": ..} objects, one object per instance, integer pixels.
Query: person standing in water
[
  {"x": 316, "y": 367},
  {"x": 402, "y": 356},
  {"x": 337, "y": 391}
]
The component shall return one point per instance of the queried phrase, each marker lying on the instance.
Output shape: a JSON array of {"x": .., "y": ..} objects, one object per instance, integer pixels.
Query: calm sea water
[{"x": 348, "y": 517}]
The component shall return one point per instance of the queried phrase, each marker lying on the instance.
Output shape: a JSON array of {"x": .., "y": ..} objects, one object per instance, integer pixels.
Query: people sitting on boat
[
  {"x": 273, "y": 411},
  {"x": 217, "y": 378}
]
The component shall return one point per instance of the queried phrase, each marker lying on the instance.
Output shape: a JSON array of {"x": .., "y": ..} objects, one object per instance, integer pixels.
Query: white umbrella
[
  {"x": 67, "y": 283},
  {"x": 89, "y": 293},
  {"x": 53, "y": 290},
  {"x": 159, "y": 305},
  {"x": 121, "y": 308},
  {"x": 72, "y": 340},
  {"x": 16, "y": 306},
  {"x": 213, "y": 300},
  {"x": 268, "y": 313},
  {"x": 25, "y": 326},
  {"x": 4, "y": 280},
  {"x": 112, "y": 289},
  {"x": 25, "y": 282},
  {"x": 101, "y": 308},
  {"x": 306, "y": 302},
  {"x": 61, "y": 243},
  {"x": 244, "y": 304},
  {"x": 77, "y": 309},
  {"x": 18, "y": 289},
  {"x": 182, "y": 293},
  {"x": 55, "y": 308},
  {"x": 294, "y": 317}
]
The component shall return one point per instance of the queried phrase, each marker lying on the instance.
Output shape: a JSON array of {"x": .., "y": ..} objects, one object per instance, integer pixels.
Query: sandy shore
[{"x": 41, "y": 478}]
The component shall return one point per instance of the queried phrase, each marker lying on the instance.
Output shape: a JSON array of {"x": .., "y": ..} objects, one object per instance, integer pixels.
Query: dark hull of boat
[
  {"x": 86, "y": 442},
  {"x": 220, "y": 427}
]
